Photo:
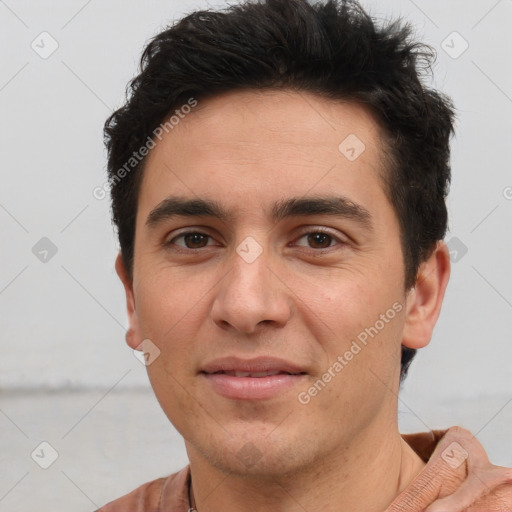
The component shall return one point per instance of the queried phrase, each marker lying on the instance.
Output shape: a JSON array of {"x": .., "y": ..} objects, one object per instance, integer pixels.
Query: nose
[{"x": 250, "y": 294}]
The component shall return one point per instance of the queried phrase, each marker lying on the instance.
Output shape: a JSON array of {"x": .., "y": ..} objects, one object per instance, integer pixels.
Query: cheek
[
  {"x": 362, "y": 371},
  {"x": 165, "y": 304},
  {"x": 169, "y": 318},
  {"x": 344, "y": 306},
  {"x": 359, "y": 321},
  {"x": 175, "y": 393},
  {"x": 171, "y": 311}
]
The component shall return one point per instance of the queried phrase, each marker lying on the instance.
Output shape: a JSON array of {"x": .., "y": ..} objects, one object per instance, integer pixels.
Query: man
[{"x": 278, "y": 178}]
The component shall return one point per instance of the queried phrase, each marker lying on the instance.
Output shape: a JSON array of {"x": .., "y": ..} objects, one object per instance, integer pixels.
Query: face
[{"x": 277, "y": 299}]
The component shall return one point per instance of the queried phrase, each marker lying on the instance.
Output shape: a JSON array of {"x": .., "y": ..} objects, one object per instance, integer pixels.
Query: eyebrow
[{"x": 336, "y": 206}]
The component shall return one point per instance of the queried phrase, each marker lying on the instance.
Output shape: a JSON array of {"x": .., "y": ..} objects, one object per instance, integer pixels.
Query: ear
[
  {"x": 424, "y": 300},
  {"x": 133, "y": 338}
]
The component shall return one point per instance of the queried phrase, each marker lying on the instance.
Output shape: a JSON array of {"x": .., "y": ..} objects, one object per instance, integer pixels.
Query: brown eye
[
  {"x": 195, "y": 240},
  {"x": 319, "y": 240},
  {"x": 191, "y": 240}
]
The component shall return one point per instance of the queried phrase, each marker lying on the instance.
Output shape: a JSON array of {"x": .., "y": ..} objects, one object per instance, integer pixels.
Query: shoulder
[
  {"x": 148, "y": 497},
  {"x": 458, "y": 475}
]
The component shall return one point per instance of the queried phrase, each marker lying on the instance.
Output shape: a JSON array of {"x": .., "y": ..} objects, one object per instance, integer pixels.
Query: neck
[{"x": 367, "y": 476}]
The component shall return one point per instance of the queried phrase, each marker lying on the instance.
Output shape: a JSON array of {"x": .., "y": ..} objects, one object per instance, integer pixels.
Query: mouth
[
  {"x": 256, "y": 367},
  {"x": 254, "y": 379},
  {"x": 257, "y": 375}
]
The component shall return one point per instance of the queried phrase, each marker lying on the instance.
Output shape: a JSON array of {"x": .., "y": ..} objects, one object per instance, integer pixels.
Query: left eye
[{"x": 318, "y": 239}]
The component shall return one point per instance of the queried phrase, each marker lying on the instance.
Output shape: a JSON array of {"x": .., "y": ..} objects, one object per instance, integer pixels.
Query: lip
[
  {"x": 257, "y": 364},
  {"x": 250, "y": 387}
]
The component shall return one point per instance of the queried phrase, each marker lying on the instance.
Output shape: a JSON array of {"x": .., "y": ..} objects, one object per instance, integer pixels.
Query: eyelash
[{"x": 312, "y": 232}]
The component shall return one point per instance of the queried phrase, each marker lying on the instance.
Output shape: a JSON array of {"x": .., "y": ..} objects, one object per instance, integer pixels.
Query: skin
[{"x": 248, "y": 150}]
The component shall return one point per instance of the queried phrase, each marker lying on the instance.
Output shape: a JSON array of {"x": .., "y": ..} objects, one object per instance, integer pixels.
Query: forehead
[
  {"x": 255, "y": 146},
  {"x": 275, "y": 118}
]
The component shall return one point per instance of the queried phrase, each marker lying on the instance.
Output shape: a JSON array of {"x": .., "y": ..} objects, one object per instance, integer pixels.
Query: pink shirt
[{"x": 458, "y": 477}]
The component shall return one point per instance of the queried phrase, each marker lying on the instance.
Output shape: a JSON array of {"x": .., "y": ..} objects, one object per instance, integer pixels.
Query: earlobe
[
  {"x": 424, "y": 301},
  {"x": 133, "y": 338}
]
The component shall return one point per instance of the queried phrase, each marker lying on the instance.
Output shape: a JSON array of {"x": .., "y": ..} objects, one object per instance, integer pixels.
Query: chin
[{"x": 265, "y": 457}]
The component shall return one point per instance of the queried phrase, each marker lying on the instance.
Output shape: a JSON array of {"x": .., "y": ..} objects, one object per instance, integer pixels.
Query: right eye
[{"x": 191, "y": 240}]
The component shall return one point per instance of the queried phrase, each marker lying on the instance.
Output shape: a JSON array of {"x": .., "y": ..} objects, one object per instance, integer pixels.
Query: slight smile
[{"x": 252, "y": 379}]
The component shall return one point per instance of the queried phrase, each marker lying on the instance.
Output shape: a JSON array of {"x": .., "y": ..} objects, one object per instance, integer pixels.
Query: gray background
[{"x": 66, "y": 375}]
